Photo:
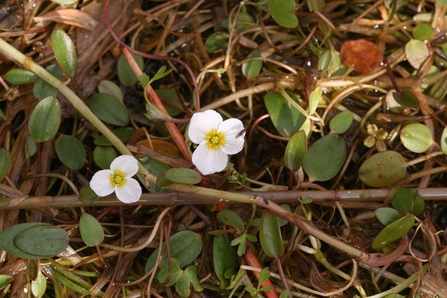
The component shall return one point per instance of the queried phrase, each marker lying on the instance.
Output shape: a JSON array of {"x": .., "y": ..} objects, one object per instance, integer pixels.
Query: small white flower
[
  {"x": 118, "y": 179},
  {"x": 216, "y": 138}
]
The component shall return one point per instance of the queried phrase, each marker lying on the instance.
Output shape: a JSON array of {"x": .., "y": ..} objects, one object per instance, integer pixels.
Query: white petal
[
  {"x": 209, "y": 161},
  {"x": 129, "y": 193},
  {"x": 126, "y": 163},
  {"x": 100, "y": 183},
  {"x": 202, "y": 123},
  {"x": 231, "y": 128}
]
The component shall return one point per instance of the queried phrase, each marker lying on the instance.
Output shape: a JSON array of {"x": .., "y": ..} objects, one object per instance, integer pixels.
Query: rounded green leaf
[
  {"x": 122, "y": 133},
  {"x": 295, "y": 151},
  {"x": 383, "y": 169},
  {"x": 86, "y": 194},
  {"x": 125, "y": 73},
  {"x": 407, "y": 99},
  {"x": 407, "y": 200},
  {"x": 103, "y": 156},
  {"x": 287, "y": 120},
  {"x": 283, "y": 12},
  {"x": 8, "y": 244},
  {"x": 393, "y": 232},
  {"x": 230, "y": 218},
  {"x": 45, "y": 119},
  {"x": 423, "y": 31},
  {"x": 39, "y": 286},
  {"x": 65, "y": 52},
  {"x": 417, "y": 52},
  {"x": 251, "y": 68},
  {"x": 91, "y": 230},
  {"x": 20, "y": 76},
  {"x": 182, "y": 175},
  {"x": 70, "y": 151},
  {"x": 223, "y": 259},
  {"x": 325, "y": 158},
  {"x": 43, "y": 240},
  {"x": 416, "y": 137},
  {"x": 270, "y": 235},
  {"x": 387, "y": 215},
  {"x": 110, "y": 88},
  {"x": 42, "y": 89},
  {"x": 5, "y": 162},
  {"x": 341, "y": 122},
  {"x": 185, "y": 246},
  {"x": 108, "y": 109}
]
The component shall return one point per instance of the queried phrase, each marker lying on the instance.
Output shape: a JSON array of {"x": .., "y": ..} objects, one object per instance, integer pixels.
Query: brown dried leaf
[
  {"x": 73, "y": 17},
  {"x": 363, "y": 55}
]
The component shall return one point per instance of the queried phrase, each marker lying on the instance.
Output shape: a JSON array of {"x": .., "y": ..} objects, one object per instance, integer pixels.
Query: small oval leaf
[
  {"x": 417, "y": 52},
  {"x": 20, "y": 76},
  {"x": 39, "y": 286},
  {"x": 8, "y": 236},
  {"x": 383, "y": 169},
  {"x": 70, "y": 151},
  {"x": 91, "y": 230},
  {"x": 270, "y": 235},
  {"x": 45, "y": 119},
  {"x": 283, "y": 12},
  {"x": 86, "y": 194},
  {"x": 125, "y": 73},
  {"x": 295, "y": 151},
  {"x": 42, "y": 89},
  {"x": 416, "y": 137},
  {"x": 387, "y": 215},
  {"x": 251, "y": 68},
  {"x": 103, "y": 156},
  {"x": 65, "y": 52},
  {"x": 393, "y": 232},
  {"x": 287, "y": 120},
  {"x": 182, "y": 175},
  {"x": 108, "y": 109},
  {"x": 44, "y": 240},
  {"x": 230, "y": 218},
  {"x": 341, "y": 122},
  {"x": 223, "y": 259}
]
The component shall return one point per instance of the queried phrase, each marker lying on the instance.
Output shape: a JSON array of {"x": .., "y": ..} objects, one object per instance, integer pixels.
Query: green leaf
[
  {"x": 86, "y": 194},
  {"x": 169, "y": 98},
  {"x": 39, "y": 286},
  {"x": 341, "y": 122},
  {"x": 283, "y": 12},
  {"x": 172, "y": 272},
  {"x": 287, "y": 119},
  {"x": 112, "y": 89},
  {"x": 4, "y": 280},
  {"x": 7, "y": 240},
  {"x": 42, "y": 89},
  {"x": 45, "y": 119},
  {"x": 70, "y": 151},
  {"x": 407, "y": 200},
  {"x": 393, "y": 232},
  {"x": 108, "y": 109},
  {"x": 217, "y": 40},
  {"x": 283, "y": 222},
  {"x": 270, "y": 235},
  {"x": 65, "y": 52},
  {"x": 314, "y": 99},
  {"x": 417, "y": 52},
  {"x": 251, "y": 68},
  {"x": 182, "y": 175},
  {"x": 123, "y": 134},
  {"x": 423, "y": 31},
  {"x": 42, "y": 240},
  {"x": 125, "y": 73},
  {"x": 5, "y": 162},
  {"x": 230, "y": 218},
  {"x": 20, "y": 76},
  {"x": 103, "y": 156},
  {"x": 156, "y": 167},
  {"x": 161, "y": 73},
  {"x": 91, "y": 230},
  {"x": 387, "y": 215},
  {"x": 185, "y": 246},
  {"x": 188, "y": 278},
  {"x": 325, "y": 158},
  {"x": 295, "y": 151},
  {"x": 223, "y": 259},
  {"x": 407, "y": 99},
  {"x": 416, "y": 137},
  {"x": 383, "y": 169}
]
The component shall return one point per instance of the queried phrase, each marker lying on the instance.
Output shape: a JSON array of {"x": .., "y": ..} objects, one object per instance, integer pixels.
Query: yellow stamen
[
  {"x": 216, "y": 139},
  {"x": 118, "y": 178}
]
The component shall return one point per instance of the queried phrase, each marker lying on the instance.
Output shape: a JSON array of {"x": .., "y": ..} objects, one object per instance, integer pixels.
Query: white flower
[
  {"x": 118, "y": 179},
  {"x": 216, "y": 138}
]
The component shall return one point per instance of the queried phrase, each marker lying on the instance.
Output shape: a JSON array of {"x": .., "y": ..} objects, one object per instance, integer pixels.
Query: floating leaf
[
  {"x": 341, "y": 122},
  {"x": 383, "y": 169},
  {"x": 20, "y": 76},
  {"x": 295, "y": 151},
  {"x": 393, "y": 232},
  {"x": 108, "y": 109},
  {"x": 270, "y": 235},
  {"x": 42, "y": 89},
  {"x": 123, "y": 134},
  {"x": 5, "y": 162},
  {"x": 251, "y": 68},
  {"x": 223, "y": 259},
  {"x": 230, "y": 218},
  {"x": 283, "y": 12},
  {"x": 185, "y": 246},
  {"x": 70, "y": 151},
  {"x": 423, "y": 31},
  {"x": 417, "y": 52},
  {"x": 364, "y": 55},
  {"x": 125, "y": 73},
  {"x": 286, "y": 118},
  {"x": 387, "y": 215},
  {"x": 42, "y": 240},
  {"x": 325, "y": 158},
  {"x": 91, "y": 230},
  {"x": 103, "y": 156},
  {"x": 181, "y": 175},
  {"x": 416, "y": 137},
  {"x": 64, "y": 52},
  {"x": 45, "y": 119}
]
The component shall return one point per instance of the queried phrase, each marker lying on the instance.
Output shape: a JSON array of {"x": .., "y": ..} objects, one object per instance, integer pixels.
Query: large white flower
[
  {"x": 216, "y": 138},
  {"x": 118, "y": 179}
]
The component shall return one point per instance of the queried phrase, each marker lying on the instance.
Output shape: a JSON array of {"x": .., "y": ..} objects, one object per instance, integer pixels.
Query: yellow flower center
[
  {"x": 118, "y": 178},
  {"x": 216, "y": 139}
]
